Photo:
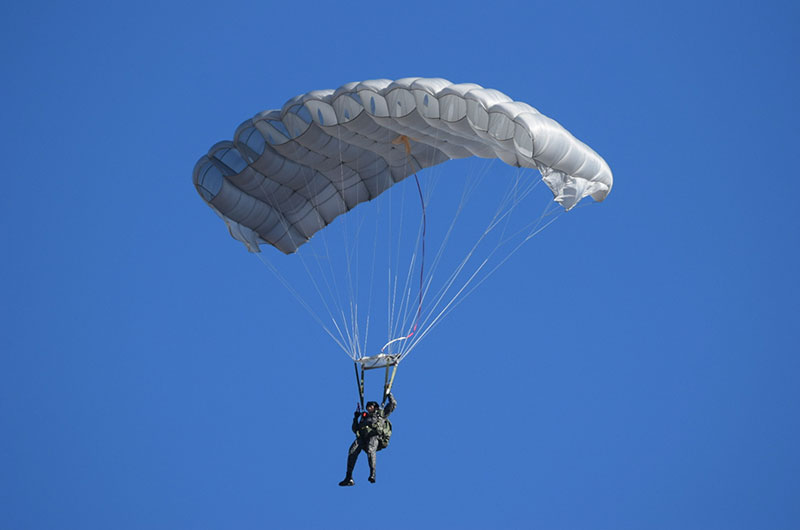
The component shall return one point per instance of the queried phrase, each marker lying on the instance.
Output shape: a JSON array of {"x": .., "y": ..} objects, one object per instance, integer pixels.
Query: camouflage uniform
[{"x": 367, "y": 439}]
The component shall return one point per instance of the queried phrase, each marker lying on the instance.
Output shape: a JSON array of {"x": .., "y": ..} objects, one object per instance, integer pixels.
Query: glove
[{"x": 356, "y": 414}]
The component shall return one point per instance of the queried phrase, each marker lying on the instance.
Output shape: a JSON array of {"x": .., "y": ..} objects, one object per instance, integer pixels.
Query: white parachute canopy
[{"x": 289, "y": 173}]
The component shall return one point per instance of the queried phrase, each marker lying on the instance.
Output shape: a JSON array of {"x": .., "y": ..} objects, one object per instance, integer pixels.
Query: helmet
[{"x": 374, "y": 404}]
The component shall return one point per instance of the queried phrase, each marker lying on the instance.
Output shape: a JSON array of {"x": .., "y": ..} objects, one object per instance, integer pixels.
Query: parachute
[{"x": 290, "y": 173}]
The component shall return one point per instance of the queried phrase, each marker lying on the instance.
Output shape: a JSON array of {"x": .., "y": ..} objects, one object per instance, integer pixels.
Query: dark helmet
[{"x": 374, "y": 404}]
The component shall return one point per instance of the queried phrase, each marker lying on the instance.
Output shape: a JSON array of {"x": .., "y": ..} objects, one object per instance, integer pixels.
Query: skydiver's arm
[{"x": 389, "y": 408}]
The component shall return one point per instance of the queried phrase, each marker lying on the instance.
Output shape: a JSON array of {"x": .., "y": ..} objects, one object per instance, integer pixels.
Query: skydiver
[{"x": 370, "y": 428}]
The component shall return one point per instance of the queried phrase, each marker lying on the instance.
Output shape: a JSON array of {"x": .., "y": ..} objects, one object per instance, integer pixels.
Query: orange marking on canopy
[{"x": 405, "y": 140}]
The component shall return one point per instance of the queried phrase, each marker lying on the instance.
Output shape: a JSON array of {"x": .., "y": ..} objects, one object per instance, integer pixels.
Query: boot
[
  {"x": 372, "y": 477},
  {"x": 348, "y": 482}
]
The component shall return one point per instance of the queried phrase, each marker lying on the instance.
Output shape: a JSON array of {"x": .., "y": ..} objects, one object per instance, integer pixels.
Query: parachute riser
[
  {"x": 360, "y": 385},
  {"x": 387, "y": 386}
]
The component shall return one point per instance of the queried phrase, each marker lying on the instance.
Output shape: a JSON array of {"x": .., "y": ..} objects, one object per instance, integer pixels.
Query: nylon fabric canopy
[{"x": 288, "y": 173}]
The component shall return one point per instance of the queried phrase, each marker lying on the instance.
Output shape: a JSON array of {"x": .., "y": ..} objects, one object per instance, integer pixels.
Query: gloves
[{"x": 356, "y": 414}]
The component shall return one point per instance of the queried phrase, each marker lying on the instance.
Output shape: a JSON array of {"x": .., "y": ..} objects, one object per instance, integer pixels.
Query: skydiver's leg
[
  {"x": 352, "y": 456},
  {"x": 372, "y": 455}
]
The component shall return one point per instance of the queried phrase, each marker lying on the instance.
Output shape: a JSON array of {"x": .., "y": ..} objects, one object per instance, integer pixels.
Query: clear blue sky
[{"x": 636, "y": 366}]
